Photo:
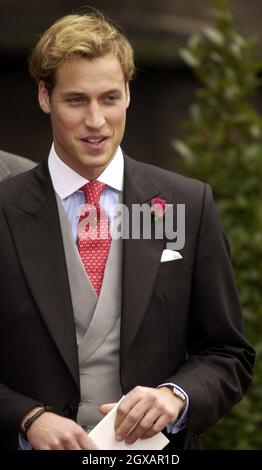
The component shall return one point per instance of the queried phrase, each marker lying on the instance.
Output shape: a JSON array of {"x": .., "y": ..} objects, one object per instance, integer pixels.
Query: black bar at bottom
[{"x": 111, "y": 459}]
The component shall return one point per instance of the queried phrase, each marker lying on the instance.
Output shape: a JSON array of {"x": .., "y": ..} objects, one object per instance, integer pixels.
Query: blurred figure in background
[{"x": 11, "y": 165}]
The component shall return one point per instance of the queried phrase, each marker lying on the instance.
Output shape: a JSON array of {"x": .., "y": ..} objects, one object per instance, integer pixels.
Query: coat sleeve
[{"x": 218, "y": 369}]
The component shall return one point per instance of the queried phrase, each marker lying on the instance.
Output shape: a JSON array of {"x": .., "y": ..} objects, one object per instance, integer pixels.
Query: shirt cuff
[{"x": 23, "y": 444}]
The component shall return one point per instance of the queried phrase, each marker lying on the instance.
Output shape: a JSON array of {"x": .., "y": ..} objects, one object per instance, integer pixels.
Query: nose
[{"x": 94, "y": 117}]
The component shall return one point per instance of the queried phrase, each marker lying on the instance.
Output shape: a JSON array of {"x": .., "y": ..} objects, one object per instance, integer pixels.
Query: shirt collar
[{"x": 67, "y": 181}]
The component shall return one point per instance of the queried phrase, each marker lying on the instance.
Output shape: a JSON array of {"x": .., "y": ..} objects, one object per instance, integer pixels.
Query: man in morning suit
[{"x": 85, "y": 321}]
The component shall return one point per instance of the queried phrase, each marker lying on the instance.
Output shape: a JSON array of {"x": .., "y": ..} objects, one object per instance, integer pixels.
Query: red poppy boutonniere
[{"x": 158, "y": 208}]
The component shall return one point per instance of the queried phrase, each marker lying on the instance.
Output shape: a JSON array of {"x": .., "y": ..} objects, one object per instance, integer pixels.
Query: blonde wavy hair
[{"x": 86, "y": 35}]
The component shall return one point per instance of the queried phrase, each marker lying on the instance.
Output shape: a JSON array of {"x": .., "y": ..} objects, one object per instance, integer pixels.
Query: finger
[
  {"x": 86, "y": 442},
  {"x": 136, "y": 395},
  {"x": 144, "y": 426},
  {"x": 106, "y": 407},
  {"x": 72, "y": 446},
  {"x": 131, "y": 419},
  {"x": 65, "y": 442},
  {"x": 160, "y": 424}
]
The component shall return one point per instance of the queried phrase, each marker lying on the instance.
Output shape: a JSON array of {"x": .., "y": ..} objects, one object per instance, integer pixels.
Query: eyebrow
[
  {"x": 72, "y": 93},
  {"x": 80, "y": 93}
]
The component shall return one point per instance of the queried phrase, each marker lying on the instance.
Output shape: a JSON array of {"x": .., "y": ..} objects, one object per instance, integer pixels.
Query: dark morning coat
[{"x": 181, "y": 320}]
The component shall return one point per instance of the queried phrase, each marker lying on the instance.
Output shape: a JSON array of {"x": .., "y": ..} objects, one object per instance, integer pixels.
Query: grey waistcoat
[{"x": 97, "y": 321}]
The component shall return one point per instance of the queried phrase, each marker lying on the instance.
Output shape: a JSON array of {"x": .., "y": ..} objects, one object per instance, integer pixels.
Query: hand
[
  {"x": 53, "y": 432},
  {"x": 144, "y": 412}
]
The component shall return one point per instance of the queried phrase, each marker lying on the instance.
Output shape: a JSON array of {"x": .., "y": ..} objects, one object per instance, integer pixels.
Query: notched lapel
[
  {"x": 36, "y": 231},
  {"x": 141, "y": 259}
]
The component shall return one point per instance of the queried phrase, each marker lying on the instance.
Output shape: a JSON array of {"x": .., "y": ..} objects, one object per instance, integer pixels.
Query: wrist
[
  {"x": 31, "y": 417},
  {"x": 28, "y": 415},
  {"x": 179, "y": 396}
]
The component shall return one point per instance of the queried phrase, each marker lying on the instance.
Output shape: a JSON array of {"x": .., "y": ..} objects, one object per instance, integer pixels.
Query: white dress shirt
[{"x": 67, "y": 184}]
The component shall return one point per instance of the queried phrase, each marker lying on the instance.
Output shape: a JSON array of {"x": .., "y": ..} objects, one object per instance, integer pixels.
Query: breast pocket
[{"x": 176, "y": 267}]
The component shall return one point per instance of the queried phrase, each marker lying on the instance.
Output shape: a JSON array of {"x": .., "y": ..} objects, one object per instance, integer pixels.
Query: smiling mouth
[
  {"x": 94, "y": 141},
  {"x": 94, "y": 145}
]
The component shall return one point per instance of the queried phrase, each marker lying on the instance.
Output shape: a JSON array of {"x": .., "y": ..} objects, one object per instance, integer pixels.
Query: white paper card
[{"x": 103, "y": 436}]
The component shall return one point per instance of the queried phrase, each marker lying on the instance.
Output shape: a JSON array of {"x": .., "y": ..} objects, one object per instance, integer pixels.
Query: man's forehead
[
  {"x": 96, "y": 71},
  {"x": 108, "y": 62}
]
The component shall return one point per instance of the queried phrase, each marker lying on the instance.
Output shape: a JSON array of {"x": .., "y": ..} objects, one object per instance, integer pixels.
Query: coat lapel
[
  {"x": 141, "y": 257},
  {"x": 36, "y": 231}
]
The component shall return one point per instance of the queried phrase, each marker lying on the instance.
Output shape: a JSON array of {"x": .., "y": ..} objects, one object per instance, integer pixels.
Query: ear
[
  {"x": 127, "y": 95},
  {"x": 43, "y": 97}
]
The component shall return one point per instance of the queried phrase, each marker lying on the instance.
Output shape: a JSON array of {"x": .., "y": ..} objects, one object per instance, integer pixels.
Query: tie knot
[{"x": 92, "y": 191}]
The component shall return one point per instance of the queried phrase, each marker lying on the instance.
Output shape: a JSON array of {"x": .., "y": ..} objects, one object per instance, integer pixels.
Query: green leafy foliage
[{"x": 223, "y": 146}]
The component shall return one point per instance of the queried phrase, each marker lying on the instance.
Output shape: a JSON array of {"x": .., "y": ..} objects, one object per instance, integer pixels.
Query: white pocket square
[{"x": 170, "y": 255}]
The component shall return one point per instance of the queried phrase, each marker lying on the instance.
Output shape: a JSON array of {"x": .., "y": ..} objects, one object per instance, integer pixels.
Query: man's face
[{"x": 88, "y": 112}]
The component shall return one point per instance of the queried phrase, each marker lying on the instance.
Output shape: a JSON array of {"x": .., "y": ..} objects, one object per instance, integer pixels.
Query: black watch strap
[{"x": 28, "y": 423}]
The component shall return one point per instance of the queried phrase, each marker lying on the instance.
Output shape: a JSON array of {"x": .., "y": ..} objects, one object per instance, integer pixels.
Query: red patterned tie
[{"x": 93, "y": 236}]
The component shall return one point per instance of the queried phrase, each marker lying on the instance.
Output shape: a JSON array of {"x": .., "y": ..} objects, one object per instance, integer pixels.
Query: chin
[
  {"x": 99, "y": 160},
  {"x": 96, "y": 163}
]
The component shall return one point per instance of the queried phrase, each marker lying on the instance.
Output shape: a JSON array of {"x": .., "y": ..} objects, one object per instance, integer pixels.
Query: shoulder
[
  {"x": 182, "y": 188},
  {"x": 11, "y": 165}
]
